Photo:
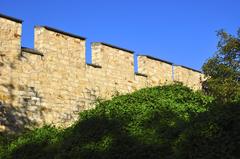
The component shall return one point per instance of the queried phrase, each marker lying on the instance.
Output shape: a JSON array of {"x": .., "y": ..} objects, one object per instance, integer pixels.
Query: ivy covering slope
[{"x": 167, "y": 122}]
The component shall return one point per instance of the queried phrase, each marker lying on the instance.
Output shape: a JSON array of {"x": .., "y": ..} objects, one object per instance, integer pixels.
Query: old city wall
[{"x": 52, "y": 83}]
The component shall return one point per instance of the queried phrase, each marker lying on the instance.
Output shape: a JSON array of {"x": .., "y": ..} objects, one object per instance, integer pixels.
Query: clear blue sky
[{"x": 180, "y": 31}]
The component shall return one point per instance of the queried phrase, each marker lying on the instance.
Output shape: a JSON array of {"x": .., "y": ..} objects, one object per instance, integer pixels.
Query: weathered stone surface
[{"x": 52, "y": 83}]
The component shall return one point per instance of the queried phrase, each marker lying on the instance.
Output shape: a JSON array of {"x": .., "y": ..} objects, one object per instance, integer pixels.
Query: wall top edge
[
  {"x": 11, "y": 18},
  {"x": 114, "y": 46},
  {"x": 141, "y": 74},
  {"x": 189, "y": 68},
  {"x": 33, "y": 51},
  {"x": 157, "y": 59},
  {"x": 62, "y": 32},
  {"x": 94, "y": 65}
]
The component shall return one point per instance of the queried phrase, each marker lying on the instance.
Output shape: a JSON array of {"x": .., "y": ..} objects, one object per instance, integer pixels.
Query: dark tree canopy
[{"x": 223, "y": 69}]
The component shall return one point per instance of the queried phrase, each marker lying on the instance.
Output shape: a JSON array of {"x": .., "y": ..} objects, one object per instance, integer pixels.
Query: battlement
[
  {"x": 62, "y": 32},
  {"x": 53, "y": 82},
  {"x": 11, "y": 18}
]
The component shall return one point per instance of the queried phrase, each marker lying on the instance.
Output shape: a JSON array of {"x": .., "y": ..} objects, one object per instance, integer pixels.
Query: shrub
[
  {"x": 39, "y": 143},
  {"x": 213, "y": 134},
  {"x": 149, "y": 123}
]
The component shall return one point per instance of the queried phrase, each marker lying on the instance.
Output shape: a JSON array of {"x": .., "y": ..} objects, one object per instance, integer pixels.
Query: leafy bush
[
  {"x": 145, "y": 124},
  {"x": 35, "y": 144},
  {"x": 168, "y": 122},
  {"x": 213, "y": 134}
]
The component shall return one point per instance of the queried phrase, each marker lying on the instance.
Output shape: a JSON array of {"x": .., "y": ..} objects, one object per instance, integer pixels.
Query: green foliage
[
  {"x": 168, "y": 122},
  {"x": 213, "y": 134},
  {"x": 145, "y": 124},
  {"x": 223, "y": 69},
  {"x": 35, "y": 144}
]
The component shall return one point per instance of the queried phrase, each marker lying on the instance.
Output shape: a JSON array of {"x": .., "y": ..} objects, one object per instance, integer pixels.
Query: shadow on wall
[{"x": 12, "y": 118}]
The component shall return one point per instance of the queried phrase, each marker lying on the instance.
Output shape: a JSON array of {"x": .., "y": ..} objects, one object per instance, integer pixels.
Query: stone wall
[
  {"x": 189, "y": 77},
  {"x": 52, "y": 83}
]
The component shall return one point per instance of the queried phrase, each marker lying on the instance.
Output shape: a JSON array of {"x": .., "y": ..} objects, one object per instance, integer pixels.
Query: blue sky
[{"x": 183, "y": 32}]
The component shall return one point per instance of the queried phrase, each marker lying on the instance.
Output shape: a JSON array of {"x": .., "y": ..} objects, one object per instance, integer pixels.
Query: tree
[{"x": 223, "y": 69}]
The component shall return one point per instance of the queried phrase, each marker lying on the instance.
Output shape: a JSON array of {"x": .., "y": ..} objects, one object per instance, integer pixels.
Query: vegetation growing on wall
[
  {"x": 150, "y": 123},
  {"x": 168, "y": 122}
]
